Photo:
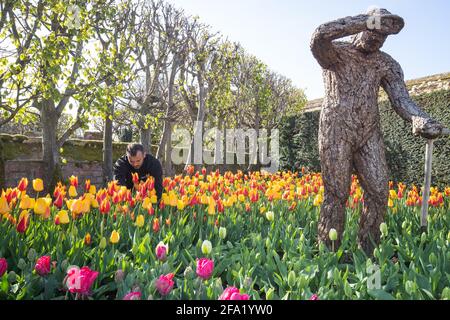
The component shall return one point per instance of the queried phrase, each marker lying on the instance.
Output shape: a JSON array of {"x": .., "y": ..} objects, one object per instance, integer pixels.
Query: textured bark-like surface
[
  {"x": 349, "y": 132},
  {"x": 108, "y": 147}
]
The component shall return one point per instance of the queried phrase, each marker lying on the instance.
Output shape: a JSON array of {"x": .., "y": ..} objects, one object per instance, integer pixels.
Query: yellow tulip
[
  {"x": 38, "y": 185},
  {"x": 146, "y": 203},
  {"x": 25, "y": 202},
  {"x": 115, "y": 237},
  {"x": 63, "y": 217},
  {"x": 41, "y": 206},
  {"x": 86, "y": 205},
  {"x": 262, "y": 210},
  {"x": 72, "y": 192},
  {"x": 204, "y": 199},
  {"x": 153, "y": 198},
  {"x": 173, "y": 199},
  {"x": 4, "y": 206},
  {"x": 94, "y": 203},
  {"x": 392, "y": 194},
  {"x": 180, "y": 205},
  {"x": 140, "y": 221},
  {"x": 390, "y": 203},
  {"x": 77, "y": 206},
  {"x": 92, "y": 189}
]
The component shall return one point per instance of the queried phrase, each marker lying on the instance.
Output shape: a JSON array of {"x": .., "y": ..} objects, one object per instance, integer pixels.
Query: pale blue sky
[{"x": 278, "y": 32}]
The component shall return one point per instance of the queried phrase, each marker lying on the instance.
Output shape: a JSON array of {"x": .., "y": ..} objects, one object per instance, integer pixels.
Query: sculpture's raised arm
[{"x": 321, "y": 42}]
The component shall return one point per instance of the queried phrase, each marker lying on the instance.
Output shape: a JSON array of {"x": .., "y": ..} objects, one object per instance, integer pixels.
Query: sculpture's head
[{"x": 380, "y": 24}]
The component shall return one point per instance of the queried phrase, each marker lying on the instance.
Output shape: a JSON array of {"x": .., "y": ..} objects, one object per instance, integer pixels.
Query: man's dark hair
[{"x": 134, "y": 148}]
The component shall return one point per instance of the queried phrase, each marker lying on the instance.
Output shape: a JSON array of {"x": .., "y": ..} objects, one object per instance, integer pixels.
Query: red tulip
[
  {"x": 42, "y": 266},
  {"x": 205, "y": 268},
  {"x": 133, "y": 296},
  {"x": 74, "y": 181},
  {"x": 232, "y": 293},
  {"x": 161, "y": 251},
  {"x": 3, "y": 266},
  {"x": 135, "y": 177},
  {"x": 105, "y": 206},
  {"x": 165, "y": 284},
  {"x": 80, "y": 280},
  {"x": 155, "y": 225},
  {"x": 87, "y": 185},
  {"x": 59, "y": 201},
  {"x": 22, "y": 226},
  {"x": 23, "y": 184}
]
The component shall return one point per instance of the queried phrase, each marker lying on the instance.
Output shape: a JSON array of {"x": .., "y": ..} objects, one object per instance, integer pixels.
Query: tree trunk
[
  {"x": 198, "y": 128},
  {"x": 50, "y": 151},
  {"x": 168, "y": 167},
  {"x": 146, "y": 138},
  {"x": 108, "y": 148}
]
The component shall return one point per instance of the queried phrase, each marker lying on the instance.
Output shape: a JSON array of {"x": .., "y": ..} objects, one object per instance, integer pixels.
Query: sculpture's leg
[
  {"x": 336, "y": 166},
  {"x": 370, "y": 164}
]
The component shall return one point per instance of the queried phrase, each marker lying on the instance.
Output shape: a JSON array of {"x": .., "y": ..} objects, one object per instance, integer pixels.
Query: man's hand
[
  {"x": 389, "y": 23},
  {"x": 427, "y": 128}
]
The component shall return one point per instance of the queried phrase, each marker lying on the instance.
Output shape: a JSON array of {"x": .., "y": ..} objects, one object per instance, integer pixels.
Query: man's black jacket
[{"x": 151, "y": 166}]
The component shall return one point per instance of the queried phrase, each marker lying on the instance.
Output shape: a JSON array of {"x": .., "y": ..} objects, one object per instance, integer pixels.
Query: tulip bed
[{"x": 227, "y": 236}]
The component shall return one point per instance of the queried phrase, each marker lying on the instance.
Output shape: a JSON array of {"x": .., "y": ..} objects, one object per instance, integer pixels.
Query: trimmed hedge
[{"x": 404, "y": 152}]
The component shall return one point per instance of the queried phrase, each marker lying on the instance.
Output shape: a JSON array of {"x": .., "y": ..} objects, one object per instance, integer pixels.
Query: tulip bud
[
  {"x": 445, "y": 294},
  {"x": 423, "y": 238},
  {"x": 404, "y": 225},
  {"x": 206, "y": 247},
  {"x": 188, "y": 272},
  {"x": 268, "y": 243},
  {"x": 432, "y": 258},
  {"x": 102, "y": 244},
  {"x": 222, "y": 233},
  {"x": 270, "y": 215},
  {"x": 32, "y": 255},
  {"x": 333, "y": 234},
  {"x": 12, "y": 277},
  {"x": 384, "y": 229},
  {"x": 410, "y": 287},
  {"x": 21, "y": 264},
  {"x": 269, "y": 294},
  {"x": 291, "y": 278}
]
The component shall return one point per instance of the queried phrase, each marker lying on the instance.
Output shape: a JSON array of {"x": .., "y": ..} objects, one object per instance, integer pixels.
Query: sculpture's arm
[
  {"x": 321, "y": 42},
  {"x": 394, "y": 85}
]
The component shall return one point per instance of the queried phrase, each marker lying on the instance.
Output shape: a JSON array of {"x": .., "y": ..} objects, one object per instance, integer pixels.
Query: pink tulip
[
  {"x": 314, "y": 297},
  {"x": 205, "y": 268},
  {"x": 165, "y": 284},
  {"x": 161, "y": 251},
  {"x": 42, "y": 266},
  {"x": 232, "y": 293},
  {"x": 81, "y": 280},
  {"x": 3, "y": 266},
  {"x": 133, "y": 296}
]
